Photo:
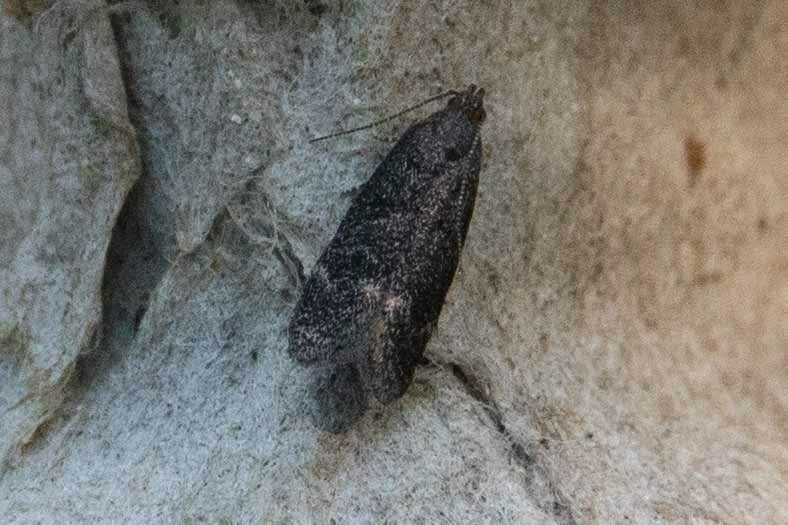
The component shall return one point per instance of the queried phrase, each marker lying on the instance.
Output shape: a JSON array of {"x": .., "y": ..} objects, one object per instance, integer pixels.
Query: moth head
[
  {"x": 450, "y": 135},
  {"x": 471, "y": 103}
]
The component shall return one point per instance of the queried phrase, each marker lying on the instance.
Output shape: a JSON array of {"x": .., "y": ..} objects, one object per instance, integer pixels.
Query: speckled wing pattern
[{"x": 373, "y": 298}]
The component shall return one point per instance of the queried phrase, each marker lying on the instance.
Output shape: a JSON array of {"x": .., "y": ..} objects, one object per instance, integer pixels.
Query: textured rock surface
[
  {"x": 68, "y": 157},
  {"x": 612, "y": 350}
]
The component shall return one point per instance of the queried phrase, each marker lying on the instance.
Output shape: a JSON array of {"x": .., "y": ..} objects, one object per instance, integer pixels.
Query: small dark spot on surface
[
  {"x": 519, "y": 453},
  {"x": 494, "y": 280},
  {"x": 705, "y": 279},
  {"x": 695, "y": 152},
  {"x": 138, "y": 316},
  {"x": 544, "y": 342},
  {"x": 597, "y": 271},
  {"x": 85, "y": 369},
  {"x": 254, "y": 355},
  {"x": 711, "y": 345},
  {"x": 545, "y": 443},
  {"x": 69, "y": 37},
  {"x": 763, "y": 225},
  {"x": 684, "y": 46},
  {"x": 171, "y": 23},
  {"x": 589, "y": 435},
  {"x": 316, "y": 7}
]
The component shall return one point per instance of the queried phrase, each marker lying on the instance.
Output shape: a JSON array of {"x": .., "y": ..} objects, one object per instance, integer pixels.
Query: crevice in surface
[
  {"x": 543, "y": 490},
  {"x": 142, "y": 241},
  {"x": 135, "y": 263}
]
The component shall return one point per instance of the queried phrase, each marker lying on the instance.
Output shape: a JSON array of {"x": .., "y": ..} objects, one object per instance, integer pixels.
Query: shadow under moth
[{"x": 374, "y": 296}]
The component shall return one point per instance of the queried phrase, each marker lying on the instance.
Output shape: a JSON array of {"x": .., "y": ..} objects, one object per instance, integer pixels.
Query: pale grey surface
[
  {"x": 612, "y": 350},
  {"x": 68, "y": 157}
]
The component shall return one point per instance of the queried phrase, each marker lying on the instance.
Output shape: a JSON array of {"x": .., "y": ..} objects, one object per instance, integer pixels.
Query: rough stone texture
[
  {"x": 68, "y": 157},
  {"x": 612, "y": 349}
]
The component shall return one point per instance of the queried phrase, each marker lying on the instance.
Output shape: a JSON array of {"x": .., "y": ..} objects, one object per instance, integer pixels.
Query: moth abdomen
[{"x": 369, "y": 306}]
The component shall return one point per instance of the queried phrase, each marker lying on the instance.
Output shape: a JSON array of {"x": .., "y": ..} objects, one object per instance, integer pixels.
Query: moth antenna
[{"x": 445, "y": 94}]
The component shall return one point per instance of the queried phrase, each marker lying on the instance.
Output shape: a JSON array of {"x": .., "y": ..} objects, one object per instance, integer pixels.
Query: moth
[{"x": 375, "y": 294}]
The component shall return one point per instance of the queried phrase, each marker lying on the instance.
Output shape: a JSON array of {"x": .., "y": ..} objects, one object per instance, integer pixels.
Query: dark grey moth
[{"x": 374, "y": 296}]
